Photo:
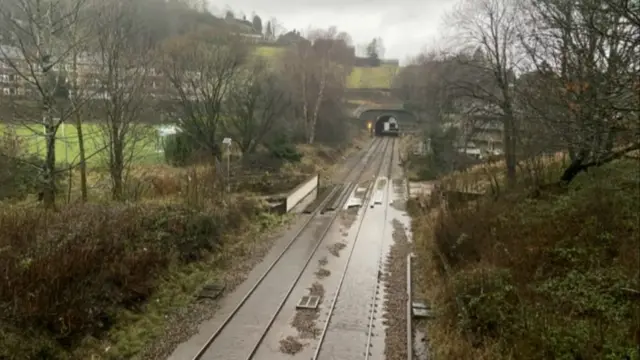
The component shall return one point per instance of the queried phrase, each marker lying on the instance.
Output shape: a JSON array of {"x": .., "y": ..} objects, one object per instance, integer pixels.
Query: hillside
[
  {"x": 379, "y": 77},
  {"x": 552, "y": 272}
]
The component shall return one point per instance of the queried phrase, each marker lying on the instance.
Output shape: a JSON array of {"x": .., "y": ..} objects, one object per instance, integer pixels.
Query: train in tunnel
[{"x": 387, "y": 125}]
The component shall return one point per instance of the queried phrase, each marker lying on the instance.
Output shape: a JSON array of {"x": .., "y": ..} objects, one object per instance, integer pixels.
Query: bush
[
  {"x": 548, "y": 278},
  {"x": 66, "y": 274},
  {"x": 19, "y": 173},
  {"x": 18, "y": 177},
  {"x": 178, "y": 149},
  {"x": 282, "y": 148}
]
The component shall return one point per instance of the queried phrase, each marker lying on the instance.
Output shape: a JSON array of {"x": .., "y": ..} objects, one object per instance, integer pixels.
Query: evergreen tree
[
  {"x": 257, "y": 24},
  {"x": 268, "y": 31}
]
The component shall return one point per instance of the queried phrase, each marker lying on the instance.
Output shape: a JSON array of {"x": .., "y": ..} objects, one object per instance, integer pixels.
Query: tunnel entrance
[{"x": 379, "y": 127}]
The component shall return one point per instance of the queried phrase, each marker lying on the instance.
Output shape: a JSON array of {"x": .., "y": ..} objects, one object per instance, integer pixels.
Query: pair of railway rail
[
  {"x": 376, "y": 153},
  {"x": 383, "y": 170}
]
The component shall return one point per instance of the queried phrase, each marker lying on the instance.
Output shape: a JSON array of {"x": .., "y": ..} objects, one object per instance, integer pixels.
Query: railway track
[
  {"x": 241, "y": 333},
  {"x": 384, "y": 170}
]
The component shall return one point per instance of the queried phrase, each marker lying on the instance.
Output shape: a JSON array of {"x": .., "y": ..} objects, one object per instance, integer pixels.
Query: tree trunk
[
  {"x": 510, "y": 137},
  {"x": 81, "y": 149},
  {"x": 572, "y": 171},
  {"x": 117, "y": 190},
  {"x": 83, "y": 159},
  {"x": 49, "y": 188},
  {"x": 117, "y": 164},
  {"x": 305, "y": 103},
  {"x": 49, "y": 168},
  {"x": 316, "y": 110}
]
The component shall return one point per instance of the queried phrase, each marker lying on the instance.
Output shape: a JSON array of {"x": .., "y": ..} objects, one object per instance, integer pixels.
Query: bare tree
[
  {"x": 493, "y": 26},
  {"x": 257, "y": 100},
  {"x": 81, "y": 89},
  {"x": 123, "y": 63},
  {"x": 425, "y": 85},
  {"x": 201, "y": 68},
  {"x": 37, "y": 53},
  {"x": 586, "y": 58},
  {"x": 277, "y": 28},
  {"x": 316, "y": 66}
]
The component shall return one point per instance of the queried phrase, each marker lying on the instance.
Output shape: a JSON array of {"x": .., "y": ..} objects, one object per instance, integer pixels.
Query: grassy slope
[
  {"x": 539, "y": 277},
  {"x": 140, "y": 290},
  {"x": 33, "y": 142},
  {"x": 360, "y": 77},
  {"x": 371, "y": 77}
]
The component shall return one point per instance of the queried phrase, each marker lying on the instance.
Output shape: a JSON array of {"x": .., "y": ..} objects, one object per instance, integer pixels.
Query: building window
[
  {"x": 4, "y": 78},
  {"x": 6, "y": 91}
]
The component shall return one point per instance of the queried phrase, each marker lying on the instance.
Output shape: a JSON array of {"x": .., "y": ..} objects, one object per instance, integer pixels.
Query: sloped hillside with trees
[{"x": 533, "y": 253}]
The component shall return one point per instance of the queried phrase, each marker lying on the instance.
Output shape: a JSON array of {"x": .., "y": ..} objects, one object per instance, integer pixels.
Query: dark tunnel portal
[{"x": 379, "y": 128}]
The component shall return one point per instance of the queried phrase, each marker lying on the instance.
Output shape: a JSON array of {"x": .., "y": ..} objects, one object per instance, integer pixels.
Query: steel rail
[
  {"x": 204, "y": 348},
  {"x": 254, "y": 350},
  {"x": 344, "y": 272},
  {"x": 380, "y": 259}
]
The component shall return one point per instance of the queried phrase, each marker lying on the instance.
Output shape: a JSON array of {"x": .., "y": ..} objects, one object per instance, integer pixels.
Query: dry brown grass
[
  {"x": 444, "y": 335},
  {"x": 491, "y": 176},
  {"x": 521, "y": 277},
  {"x": 67, "y": 273}
]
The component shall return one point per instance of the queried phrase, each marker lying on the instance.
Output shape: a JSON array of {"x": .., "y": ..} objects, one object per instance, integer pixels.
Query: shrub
[
  {"x": 18, "y": 175},
  {"x": 283, "y": 149},
  {"x": 178, "y": 149},
  {"x": 548, "y": 278},
  {"x": 66, "y": 274}
]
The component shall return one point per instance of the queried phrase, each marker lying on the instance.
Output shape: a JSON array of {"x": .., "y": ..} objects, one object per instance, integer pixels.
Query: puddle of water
[
  {"x": 399, "y": 205},
  {"x": 381, "y": 183}
]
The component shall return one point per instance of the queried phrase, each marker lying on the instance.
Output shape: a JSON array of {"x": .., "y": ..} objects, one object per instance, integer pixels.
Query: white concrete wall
[{"x": 300, "y": 192}]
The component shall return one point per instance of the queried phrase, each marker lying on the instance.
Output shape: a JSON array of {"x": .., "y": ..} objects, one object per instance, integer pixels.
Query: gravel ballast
[
  {"x": 335, "y": 248},
  {"x": 305, "y": 324},
  {"x": 395, "y": 281},
  {"x": 185, "y": 321},
  {"x": 290, "y": 345}
]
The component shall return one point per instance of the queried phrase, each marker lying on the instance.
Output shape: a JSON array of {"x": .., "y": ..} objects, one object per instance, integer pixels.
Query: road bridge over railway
[{"x": 378, "y": 114}]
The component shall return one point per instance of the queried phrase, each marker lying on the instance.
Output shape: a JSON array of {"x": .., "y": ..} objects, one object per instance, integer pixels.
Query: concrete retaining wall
[{"x": 300, "y": 192}]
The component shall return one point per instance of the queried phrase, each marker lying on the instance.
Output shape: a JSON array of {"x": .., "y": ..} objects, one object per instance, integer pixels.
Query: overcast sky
[{"x": 405, "y": 26}]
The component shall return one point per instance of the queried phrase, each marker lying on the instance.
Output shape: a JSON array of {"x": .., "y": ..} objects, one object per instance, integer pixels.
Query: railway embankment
[
  {"x": 112, "y": 280},
  {"x": 528, "y": 273}
]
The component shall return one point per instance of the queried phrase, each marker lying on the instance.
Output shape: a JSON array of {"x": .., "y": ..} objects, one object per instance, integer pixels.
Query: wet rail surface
[
  {"x": 239, "y": 335},
  {"x": 351, "y": 272},
  {"x": 354, "y": 317}
]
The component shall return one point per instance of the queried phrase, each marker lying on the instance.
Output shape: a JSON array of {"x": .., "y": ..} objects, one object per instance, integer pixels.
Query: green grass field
[
  {"x": 270, "y": 51},
  {"x": 32, "y": 142},
  {"x": 372, "y": 77}
]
